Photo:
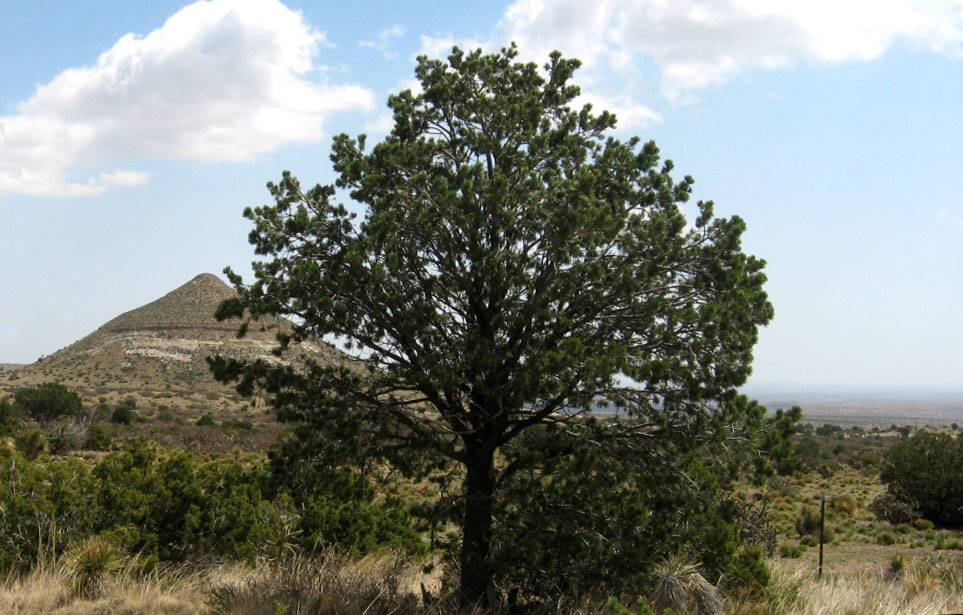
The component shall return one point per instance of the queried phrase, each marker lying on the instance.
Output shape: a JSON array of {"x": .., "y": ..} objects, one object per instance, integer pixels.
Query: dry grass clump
[
  {"x": 926, "y": 587},
  {"x": 330, "y": 583},
  {"x": 52, "y": 590}
]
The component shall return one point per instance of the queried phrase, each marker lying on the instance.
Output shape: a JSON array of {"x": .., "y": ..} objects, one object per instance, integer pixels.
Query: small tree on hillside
[
  {"x": 47, "y": 402},
  {"x": 516, "y": 265}
]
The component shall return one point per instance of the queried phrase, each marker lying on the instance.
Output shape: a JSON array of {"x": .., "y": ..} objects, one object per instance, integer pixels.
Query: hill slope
[{"x": 158, "y": 351}]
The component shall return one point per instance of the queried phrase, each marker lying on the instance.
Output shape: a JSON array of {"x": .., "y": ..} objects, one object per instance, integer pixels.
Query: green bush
[
  {"x": 44, "y": 508},
  {"x": 844, "y": 505},
  {"x": 98, "y": 438},
  {"x": 122, "y": 415},
  {"x": 31, "y": 443},
  {"x": 337, "y": 506},
  {"x": 922, "y": 472},
  {"x": 47, "y": 402},
  {"x": 886, "y": 539},
  {"x": 173, "y": 506},
  {"x": 923, "y": 525},
  {"x": 807, "y": 523},
  {"x": 9, "y": 416},
  {"x": 205, "y": 420},
  {"x": 888, "y": 507},
  {"x": 182, "y": 508},
  {"x": 748, "y": 572},
  {"x": 237, "y": 424}
]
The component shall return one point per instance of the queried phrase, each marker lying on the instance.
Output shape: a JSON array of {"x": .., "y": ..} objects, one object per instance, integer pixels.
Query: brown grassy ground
[
  {"x": 47, "y": 590},
  {"x": 929, "y": 586}
]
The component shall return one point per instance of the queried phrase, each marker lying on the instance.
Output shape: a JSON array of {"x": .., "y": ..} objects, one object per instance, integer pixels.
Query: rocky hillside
[{"x": 157, "y": 352}]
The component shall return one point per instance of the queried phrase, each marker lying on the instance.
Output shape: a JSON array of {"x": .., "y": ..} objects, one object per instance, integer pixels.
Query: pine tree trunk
[{"x": 476, "y": 569}]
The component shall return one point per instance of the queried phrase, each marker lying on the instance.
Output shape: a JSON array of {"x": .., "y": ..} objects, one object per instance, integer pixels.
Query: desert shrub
[
  {"x": 98, "y": 438},
  {"x": 888, "y": 507},
  {"x": 867, "y": 460},
  {"x": 337, "y": 506},
  {"x": 238, "y": 424},
  {"x": 31, "y": 443},
  {"x": 844, "y": 505},
  {"x": 886, "y": 538},
  {"x": 790, "y": 551},
  {"x": 183, "y": 508},
  {"x": 172, "y": 506},
  {"x": 206, "y": 419},
  {"x": 783, "y": 487},
  {"x": 923, "y": 472},
  {"x": 66, "y": 436},
  {"x": 9, "y": 416},
  {"x": 45, "y": 506},
  {"x": 748, "y": 573},
  {"x": 807, "y": 523},
  {"x": 810, "y": 453},
  {"x": 755, "y": 527},
  {"x": 122, "y": 415},
  {"x": 923, "y": 525},
  {"x": 47, "y": 402},
  {"x": 826, "y": 430}
]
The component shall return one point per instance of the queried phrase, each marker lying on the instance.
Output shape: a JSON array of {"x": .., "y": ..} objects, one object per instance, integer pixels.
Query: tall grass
[
  {"x": 332, "y": 583},
  {"x": 930, "y": 586},
  {"x": 50, "y": 589}
]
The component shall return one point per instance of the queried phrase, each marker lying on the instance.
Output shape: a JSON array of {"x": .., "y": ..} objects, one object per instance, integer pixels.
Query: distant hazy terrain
[{"x": 866, "y": 405}]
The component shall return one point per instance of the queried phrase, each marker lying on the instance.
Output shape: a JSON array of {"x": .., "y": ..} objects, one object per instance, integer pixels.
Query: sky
[{"x": 132, "y": 136}]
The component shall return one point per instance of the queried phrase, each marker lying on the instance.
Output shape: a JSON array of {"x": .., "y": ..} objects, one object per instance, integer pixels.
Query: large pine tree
[{"x": 515, "y": 265}]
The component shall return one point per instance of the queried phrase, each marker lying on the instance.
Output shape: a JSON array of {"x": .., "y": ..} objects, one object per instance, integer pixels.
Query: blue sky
[{"x": 133, "y": 135}]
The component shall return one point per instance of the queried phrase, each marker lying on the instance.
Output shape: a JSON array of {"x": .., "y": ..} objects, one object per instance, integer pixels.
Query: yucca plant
[
  {"x": 678, "y": 585},
  {"x": 89, "y": 566},
  {"x": 896, "y": 569}
]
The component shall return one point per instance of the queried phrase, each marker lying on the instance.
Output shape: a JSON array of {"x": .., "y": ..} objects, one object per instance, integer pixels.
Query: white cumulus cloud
[
  {"x": 702, "y": 43},
  {"x": 221, "y": 80}
]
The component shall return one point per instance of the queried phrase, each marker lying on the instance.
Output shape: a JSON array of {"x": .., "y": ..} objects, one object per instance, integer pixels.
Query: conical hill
[
  {"x": 189, "y": 307},
  {"x": 159, "y": 350}
]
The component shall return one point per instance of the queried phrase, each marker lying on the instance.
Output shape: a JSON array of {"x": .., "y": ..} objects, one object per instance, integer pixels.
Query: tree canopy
[
  {"x": 923, "y": 472},
  {"x": 516, "y": 267},
  {"x": 47, "y": 402}
]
